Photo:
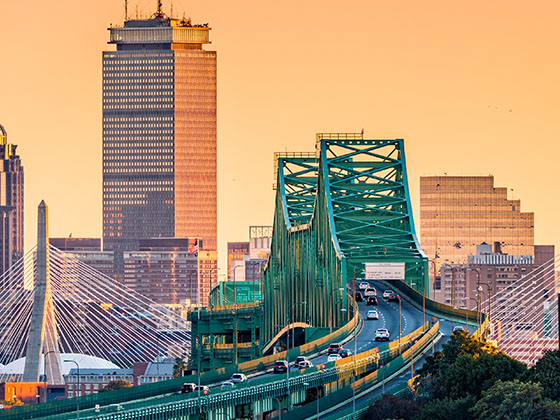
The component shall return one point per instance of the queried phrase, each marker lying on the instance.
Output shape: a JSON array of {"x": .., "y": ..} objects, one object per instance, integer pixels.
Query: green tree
[
  {"x": 121, "y": 383},
  {"x": 465, "y": 366},
  {"x": 391, "y": 407},
  {"x": 447, "y": 409},
  {"x": 547, "y": 373},
  {"x": 511, "y": 400},
  {"x": 473, "y": 375}
]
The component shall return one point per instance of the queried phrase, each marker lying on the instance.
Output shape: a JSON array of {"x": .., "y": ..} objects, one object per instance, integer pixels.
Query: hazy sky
[{"x": 472, "y": 87}]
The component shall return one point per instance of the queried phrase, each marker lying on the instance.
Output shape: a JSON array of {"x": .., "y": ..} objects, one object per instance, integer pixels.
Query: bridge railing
[{"x": 369, "y": 381}]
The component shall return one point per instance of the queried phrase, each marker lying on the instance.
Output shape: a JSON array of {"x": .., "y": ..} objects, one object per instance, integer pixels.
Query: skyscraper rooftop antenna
[{"x": 125, "y": 10}]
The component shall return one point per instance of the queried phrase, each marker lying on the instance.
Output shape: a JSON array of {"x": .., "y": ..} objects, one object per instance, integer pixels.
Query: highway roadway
[{"x": 411, "y": 319}]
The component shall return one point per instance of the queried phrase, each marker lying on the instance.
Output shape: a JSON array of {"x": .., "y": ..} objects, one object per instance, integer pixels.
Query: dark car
[
  {"x": 334, "y": 348},
  {"x": 393, "y": 298},
  {"x": 280, "y": 366},
  {"x": 344, "y": 353},
  {"x": 372, "y": 300},
  {"x": 359, "y": 297}
]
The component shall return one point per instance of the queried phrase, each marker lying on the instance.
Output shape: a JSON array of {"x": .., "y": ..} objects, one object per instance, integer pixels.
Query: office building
[
  {"x": 11, "y": 203},
  {"x": 164, "y": 270},
  {"x": 159, "y": 135},
  {"x": 88, "y": 251},
  {"x": 236, "y": 251},
  {"x": 459, "y": 212}
]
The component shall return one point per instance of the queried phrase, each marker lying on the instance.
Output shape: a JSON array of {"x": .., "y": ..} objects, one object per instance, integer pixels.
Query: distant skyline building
[
  {"x": 236, "y": 252},
  {"x": 459, "y": 212},
  {"x": 164, "y": 270},
  {"x": 88, "y": 251},
  {"x": 159, "y": 135},
  {"x": 11, "y": 203},
  {"x": 492, "y": 267}
]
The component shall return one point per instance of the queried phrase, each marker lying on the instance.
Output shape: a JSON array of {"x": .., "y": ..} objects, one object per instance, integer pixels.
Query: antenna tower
[{"x": 125, "y": 10}]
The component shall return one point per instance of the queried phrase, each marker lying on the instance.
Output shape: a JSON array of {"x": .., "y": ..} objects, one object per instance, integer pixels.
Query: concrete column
[{"x": 43, "y": 336}]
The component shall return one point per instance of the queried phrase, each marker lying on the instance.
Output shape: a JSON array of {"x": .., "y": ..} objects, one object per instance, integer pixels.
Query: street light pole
[
  {"x": 467, "y": 316},
  {"x": 45, "y": 372},
  {"x": 399, "y": 324},
  {"x": 78, "y": 388},
  {"x": 434, "y": 281}
]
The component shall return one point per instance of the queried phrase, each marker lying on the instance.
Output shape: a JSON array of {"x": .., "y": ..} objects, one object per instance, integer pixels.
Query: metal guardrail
[{"x": 370, "y": 380}]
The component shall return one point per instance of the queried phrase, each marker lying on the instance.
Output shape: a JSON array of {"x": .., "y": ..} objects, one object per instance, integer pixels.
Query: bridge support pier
[{"x": 43, "y": 337}]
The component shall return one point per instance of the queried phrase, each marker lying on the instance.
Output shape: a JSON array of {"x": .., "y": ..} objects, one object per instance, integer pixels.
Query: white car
[
  {"x": 238, "y": 378},
  {"x": 333, "y": 357},
  {"x": 305, "y": 364},
  {"x": 372, "y": 315},
  {"x": 370, "y": 291},
  {"x": 387, "y": 293},
  {"x": 363, "y": 285},
  {"x": 382, "y": 334}
]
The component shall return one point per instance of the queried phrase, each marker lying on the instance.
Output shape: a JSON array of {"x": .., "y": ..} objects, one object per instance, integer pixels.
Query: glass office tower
[
  {"x": 159, "y": 134},
  {"x": 457, "y": 213}
]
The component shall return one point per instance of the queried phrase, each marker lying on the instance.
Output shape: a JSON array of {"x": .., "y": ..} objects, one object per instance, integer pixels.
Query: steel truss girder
[{"x": 348, "y": 206}]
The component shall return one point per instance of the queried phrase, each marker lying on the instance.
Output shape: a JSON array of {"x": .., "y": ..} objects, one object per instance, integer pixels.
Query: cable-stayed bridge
[
  {"x": 83, "y": 311},
  {"x": 524, "y": 315},
  {"x": 338, "y": 209}
]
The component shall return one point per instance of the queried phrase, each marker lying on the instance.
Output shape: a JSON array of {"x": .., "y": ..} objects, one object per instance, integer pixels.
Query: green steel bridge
[{"x": 342, "y": 214}]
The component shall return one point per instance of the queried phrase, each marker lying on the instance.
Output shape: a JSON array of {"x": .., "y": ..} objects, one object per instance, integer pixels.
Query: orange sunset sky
[{"x": 472, "y": 87}]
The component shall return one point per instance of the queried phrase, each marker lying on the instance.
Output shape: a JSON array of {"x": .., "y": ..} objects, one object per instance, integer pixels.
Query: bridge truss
[{"x": 346, "y": 206}]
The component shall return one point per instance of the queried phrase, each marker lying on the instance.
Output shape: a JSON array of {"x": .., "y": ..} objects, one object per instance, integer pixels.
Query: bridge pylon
[{"x": 43, "y": 336}]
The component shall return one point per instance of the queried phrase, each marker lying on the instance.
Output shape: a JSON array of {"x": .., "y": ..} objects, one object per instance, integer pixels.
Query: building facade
[
  {"x": 88, "y": 251},
  {"x": 490, "y": 267},
  {"x": 459, "y": 212},
  {"x": 159, "y": 135},
  {"x": 11, "y": 203},
  {"x": 164, "y": 270},
  {"x": 236, "y": 251}
]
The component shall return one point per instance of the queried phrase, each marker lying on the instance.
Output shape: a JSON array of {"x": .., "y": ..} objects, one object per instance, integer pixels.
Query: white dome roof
[{"x": 84, "y": 361}]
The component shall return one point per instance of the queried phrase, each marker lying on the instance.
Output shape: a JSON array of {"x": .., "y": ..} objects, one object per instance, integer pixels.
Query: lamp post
[
  {"x": 45, "y": 372},
  {"x": 78, "y": 387},
  {"x": 434, "y": 281},
  {"x": 489, "y": 296},
  {"x": 481, "y": 292},
  {"x": 399, "y": 296},
  {"x": 466, "y": 313}
]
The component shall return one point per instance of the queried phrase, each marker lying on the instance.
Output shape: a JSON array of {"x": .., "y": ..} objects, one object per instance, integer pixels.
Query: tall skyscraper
[
  {"x": 159, "y": 134},
  {"x": 459, "y": 212},
  {"x": 11, "y": 203}
]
